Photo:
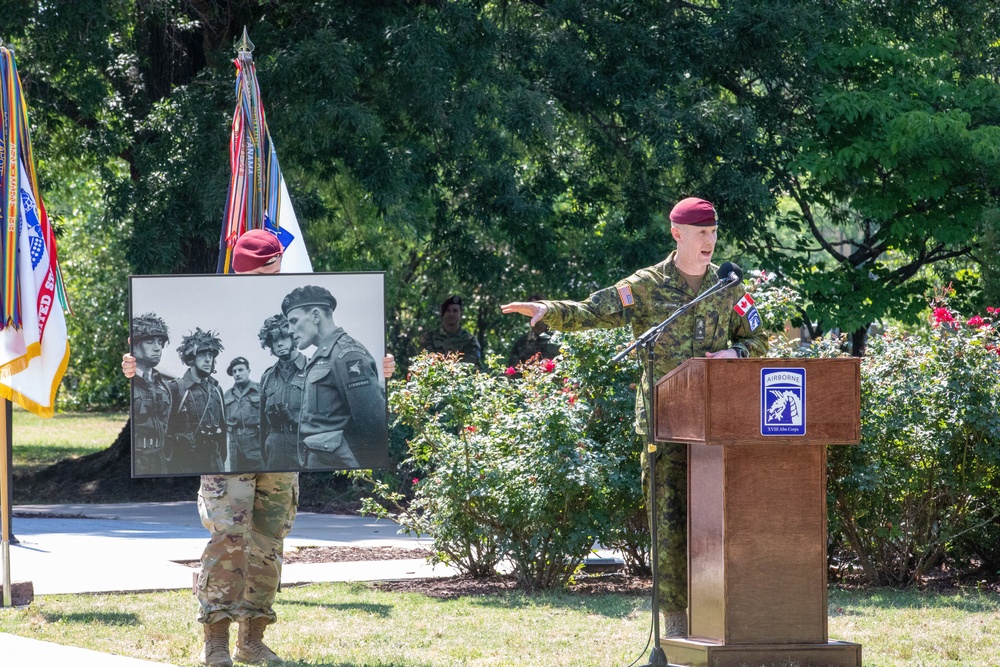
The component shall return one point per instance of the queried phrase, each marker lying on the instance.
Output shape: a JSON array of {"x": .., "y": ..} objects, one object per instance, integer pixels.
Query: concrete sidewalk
[
  {"x": 66, "y": 548},
  {"x": 136, "y": 547}
]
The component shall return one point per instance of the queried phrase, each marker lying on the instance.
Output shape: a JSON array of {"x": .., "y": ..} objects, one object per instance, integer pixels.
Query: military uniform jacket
[
  {"x": 344, "y": 400},
  {"x": 461, "y": 341},
  {"x": 197, "y": 408},
  {"x": 243, "y": 407},
  {"x": 648, "y": 297},
  {"x": 152, "y": 403},
  {"x": 283, "y": 384}
]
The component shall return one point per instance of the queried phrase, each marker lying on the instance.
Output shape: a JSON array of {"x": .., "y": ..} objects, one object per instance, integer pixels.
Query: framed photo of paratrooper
[{"x": 257, "y": 373}]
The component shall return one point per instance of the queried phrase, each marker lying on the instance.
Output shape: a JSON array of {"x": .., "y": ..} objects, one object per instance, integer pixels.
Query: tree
[{"x": 890, "y": 161}]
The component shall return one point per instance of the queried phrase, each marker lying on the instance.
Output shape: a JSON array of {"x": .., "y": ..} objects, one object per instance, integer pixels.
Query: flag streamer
[
  {"x": 34, "y": 350},
  {"x": 257, "y": 196}
]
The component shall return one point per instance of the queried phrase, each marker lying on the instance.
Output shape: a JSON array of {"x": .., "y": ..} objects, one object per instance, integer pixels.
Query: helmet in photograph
[{"x": 197, "y": 342}]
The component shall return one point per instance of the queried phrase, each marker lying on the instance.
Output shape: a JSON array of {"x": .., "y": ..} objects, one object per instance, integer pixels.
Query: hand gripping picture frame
[{"x": 257, "y": 373}]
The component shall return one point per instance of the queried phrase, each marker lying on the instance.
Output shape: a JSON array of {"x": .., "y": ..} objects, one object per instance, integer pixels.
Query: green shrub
[
  {"x": 923, "y": 484},
  {"x": 504, "y": 468}
]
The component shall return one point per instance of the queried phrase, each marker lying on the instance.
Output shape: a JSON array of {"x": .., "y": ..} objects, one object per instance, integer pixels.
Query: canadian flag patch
[
  {"x": 743, "y": 305},
  {"x": 625, "y": 294}
]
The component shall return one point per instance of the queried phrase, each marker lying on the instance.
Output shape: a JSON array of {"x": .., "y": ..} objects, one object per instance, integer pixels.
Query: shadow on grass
[
  {"x": 382, "y": 610},
  {"x": 112, "y": 618},
  {"x": 889, "y": 598}
]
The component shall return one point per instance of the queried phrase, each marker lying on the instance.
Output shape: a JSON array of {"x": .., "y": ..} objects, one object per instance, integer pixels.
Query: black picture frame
[{"x": 183, "y": 424}]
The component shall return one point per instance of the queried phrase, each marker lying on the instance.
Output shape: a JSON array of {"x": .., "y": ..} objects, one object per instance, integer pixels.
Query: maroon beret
[
  {"x": 694, "y": 211},
  {"x": 253, "y": 250}
]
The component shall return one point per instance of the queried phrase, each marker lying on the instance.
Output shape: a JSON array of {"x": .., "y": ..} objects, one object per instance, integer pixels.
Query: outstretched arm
[{"x": 533, "y": 309}]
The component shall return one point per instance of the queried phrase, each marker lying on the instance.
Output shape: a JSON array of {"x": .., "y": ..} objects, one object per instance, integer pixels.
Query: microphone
[{"x": 730, "y": 272}]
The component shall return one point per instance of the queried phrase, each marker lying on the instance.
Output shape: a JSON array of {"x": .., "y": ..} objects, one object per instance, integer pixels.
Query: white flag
[
  {"x": 296, "y": 257},
  {"x": 33, "y": 358}
]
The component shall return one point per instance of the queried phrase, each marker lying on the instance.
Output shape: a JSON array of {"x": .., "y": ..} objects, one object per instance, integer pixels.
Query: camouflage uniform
[
  {"x": 461, "y": 341},
  {"x": 249, "y": 517},
  {"x": 151, "y": 399},
  {"x": 243, "y": 421},
  {"x": 527, "y": 346},
  {"x": 281, "y": 401},
  {"x": 196, "y": 424},
  {"x": 343, "y": 416},
  {"x": 710, "y": 326}
]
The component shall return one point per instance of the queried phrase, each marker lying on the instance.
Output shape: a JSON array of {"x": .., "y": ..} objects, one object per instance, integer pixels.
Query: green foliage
[
  {"x": 924, "y": 483},
  {"x": 532, "y": 468},
  {"x": 891, "y": 158},
  {"x": 496, "y": 149}
]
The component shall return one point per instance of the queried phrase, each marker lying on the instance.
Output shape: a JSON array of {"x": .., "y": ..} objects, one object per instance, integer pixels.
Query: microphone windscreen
[{"x": 728, "y": 268}]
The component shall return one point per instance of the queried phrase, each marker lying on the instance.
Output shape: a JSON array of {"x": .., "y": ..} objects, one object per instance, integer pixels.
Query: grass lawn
[
  {"x": 355, "y": 625},
  {"x": 41, "y": 442}
]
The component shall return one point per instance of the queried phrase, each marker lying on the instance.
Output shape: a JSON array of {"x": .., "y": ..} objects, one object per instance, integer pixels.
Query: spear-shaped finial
[{"x": 244, "y": 44}]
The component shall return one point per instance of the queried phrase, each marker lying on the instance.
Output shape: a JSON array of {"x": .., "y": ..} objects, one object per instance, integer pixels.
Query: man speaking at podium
[{"x": 724, "y": 325}]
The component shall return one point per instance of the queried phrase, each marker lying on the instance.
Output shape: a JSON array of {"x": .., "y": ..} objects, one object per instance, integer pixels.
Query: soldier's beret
[
  {"x": 695, "y": 212},
  {"x": 236, "y": 362},
  {"x": 310, "y": 295},
  {"x": 147, "y": 326},
  {"x": 453, "y": 299},
  {"x": 254, "y": 249}
]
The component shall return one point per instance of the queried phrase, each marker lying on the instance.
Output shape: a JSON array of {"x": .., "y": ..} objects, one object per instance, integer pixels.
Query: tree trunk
[{"x": 101, "y": 477}]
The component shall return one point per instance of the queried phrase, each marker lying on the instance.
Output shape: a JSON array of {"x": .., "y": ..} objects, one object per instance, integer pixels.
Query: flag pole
[
  {"x": 6, "y": 472},
  {"x": 6, "y": 456}
]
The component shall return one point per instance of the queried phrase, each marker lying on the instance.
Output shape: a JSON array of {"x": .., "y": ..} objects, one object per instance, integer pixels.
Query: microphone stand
[{"x": 657, "y": 657}]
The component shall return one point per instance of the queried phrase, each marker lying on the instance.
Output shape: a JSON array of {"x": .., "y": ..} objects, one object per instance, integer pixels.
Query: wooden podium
[{"x": 757, "y": 431}]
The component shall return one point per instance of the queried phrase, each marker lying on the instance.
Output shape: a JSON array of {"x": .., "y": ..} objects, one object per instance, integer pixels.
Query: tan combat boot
[
  {"x": 216, "y": 651},
  {"x": 250, "y": 645},
  {"x": 675, "y": 624}
]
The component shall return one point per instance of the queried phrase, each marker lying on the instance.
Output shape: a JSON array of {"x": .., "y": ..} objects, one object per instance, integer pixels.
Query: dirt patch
[
  {"x": 463, "y": 586},
  {"x": 339, "y": 555},
  {"x": 347, "y": 554}
]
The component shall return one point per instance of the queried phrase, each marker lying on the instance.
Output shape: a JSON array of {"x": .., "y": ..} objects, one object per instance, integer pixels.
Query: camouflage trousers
[
  {"x": 671, "y": 513},
  {"x": 249, "y": 517}
]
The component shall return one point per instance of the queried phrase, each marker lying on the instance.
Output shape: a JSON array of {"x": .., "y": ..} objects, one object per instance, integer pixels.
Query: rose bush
[{"x": 508, "y": 466}]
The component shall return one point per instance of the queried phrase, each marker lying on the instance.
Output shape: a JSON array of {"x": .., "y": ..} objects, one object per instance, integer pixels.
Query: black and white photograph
[{"x": 258, "y": 373}]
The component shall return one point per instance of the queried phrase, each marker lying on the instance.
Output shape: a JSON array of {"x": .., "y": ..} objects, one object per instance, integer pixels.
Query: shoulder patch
[
  {"x": 744, "y": 305},
  {"x": 625, "y": 294},
  {"x": 359, "y": 383},
  {"x": 753, "y": 319}
]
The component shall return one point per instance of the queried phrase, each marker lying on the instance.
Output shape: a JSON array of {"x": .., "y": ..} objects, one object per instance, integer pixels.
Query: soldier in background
[
  {"x": 720, "y": 326},
  {"x": 342, "y": 422},
  {"x": 450, "y": 336},
  {"x": 151, "y": 398},
  {"x": 538, "y": 340},
  {"x": 245, "y": 452},
  {"x": 197, "y": 418},
  {"x": 281, "y": 388}
]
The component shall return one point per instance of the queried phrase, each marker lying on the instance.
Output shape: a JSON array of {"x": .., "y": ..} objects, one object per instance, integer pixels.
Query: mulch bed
[
  {"x": 463, "y": 586},
  {"x": 347, "y": 554}
]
